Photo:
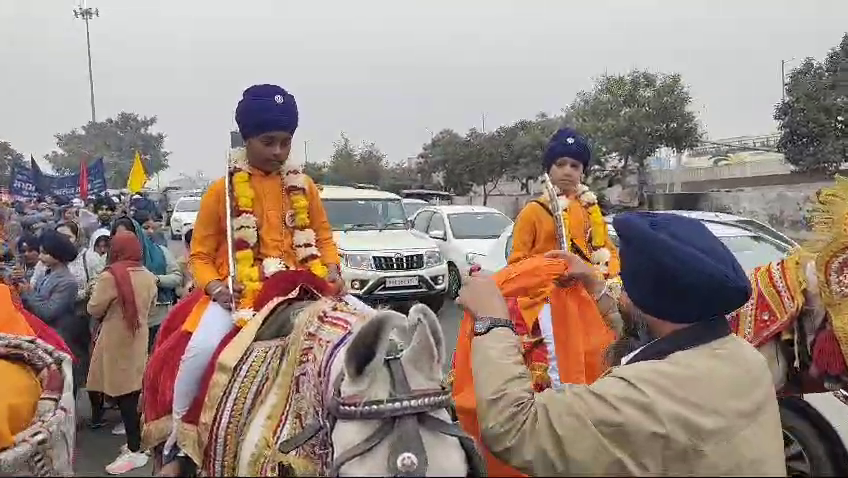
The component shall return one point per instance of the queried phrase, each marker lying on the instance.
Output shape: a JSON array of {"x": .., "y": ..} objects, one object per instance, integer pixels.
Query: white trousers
[{"x": 214, "y": 325}]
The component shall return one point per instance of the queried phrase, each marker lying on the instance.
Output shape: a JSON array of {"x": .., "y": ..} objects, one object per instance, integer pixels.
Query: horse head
[{"x": 389, "y": 407}]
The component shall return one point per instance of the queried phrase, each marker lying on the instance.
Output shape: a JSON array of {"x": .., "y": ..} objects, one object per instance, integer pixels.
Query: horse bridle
[{"x": 403, "y": 413}]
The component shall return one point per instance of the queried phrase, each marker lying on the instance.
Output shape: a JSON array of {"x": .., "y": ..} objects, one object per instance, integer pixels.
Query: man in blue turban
[{"x": 691, "y": 400}]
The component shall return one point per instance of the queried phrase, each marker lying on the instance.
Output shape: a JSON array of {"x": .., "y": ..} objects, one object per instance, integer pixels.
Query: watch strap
[{"x": 484, "y": 325}]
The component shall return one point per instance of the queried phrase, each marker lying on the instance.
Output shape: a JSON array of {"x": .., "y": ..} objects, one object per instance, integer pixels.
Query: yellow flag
[{"x": 137, "y": 176}]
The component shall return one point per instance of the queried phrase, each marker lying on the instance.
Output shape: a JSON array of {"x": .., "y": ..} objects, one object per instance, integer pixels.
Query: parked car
[
  {"x": 463, "y": 233},
  {"x": 815, "y": 425},
  {"x": 382, "y": 260},
  {"x": 411, "y": 206},
  {"x": 184, "y": 216}
]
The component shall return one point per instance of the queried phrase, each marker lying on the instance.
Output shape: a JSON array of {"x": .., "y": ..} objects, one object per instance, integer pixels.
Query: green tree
[
  {"x": 316, "y": 171},
  {"x": 631, "y": 116},
  {"x": 116, "y": 140},
  {"x": 447, "y": 157},
  {"x": 342, "y": 164},
  {"x": 350, "y": 165},
  {"x": 370, "y": 164},
  {"x": 814, "y": 116},
  {"x": 399, "y": 177},
  {"x": 529, "y": 143},
  {"x": 9, "y": 157},
  {"x": 489, "y": 157}
]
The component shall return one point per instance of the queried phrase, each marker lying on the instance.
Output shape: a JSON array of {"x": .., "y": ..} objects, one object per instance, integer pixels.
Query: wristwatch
[{"x": 483, "y": 325}]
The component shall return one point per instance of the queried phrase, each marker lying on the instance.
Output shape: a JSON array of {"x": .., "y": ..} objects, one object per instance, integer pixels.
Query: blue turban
[
  {"x": 673, "y": 268},
  {"x": 266, "y": 108},
  {"x": 567, "y": 143}
]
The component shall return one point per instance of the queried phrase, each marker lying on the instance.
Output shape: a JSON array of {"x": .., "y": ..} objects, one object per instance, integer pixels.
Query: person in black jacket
[{"x": 53, "y": 297}]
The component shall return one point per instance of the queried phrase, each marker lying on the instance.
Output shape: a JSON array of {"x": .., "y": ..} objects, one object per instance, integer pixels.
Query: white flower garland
[
  {"x": 246, "y": 226},
  {"x": 601, "y": 256}
]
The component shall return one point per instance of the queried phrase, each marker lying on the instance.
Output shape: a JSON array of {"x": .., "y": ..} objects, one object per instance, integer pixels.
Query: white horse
[{"x": 307, "y": 398}]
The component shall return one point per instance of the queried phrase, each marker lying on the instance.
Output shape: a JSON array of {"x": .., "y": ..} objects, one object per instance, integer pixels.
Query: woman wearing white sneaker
[{"x": 122, "y": 298}]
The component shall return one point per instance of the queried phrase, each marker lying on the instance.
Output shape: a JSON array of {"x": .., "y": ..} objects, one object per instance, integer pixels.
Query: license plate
[{"x": 401, "y": 281}]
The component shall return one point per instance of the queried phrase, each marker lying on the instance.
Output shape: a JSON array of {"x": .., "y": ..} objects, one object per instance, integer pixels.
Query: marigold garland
[
  {"x": 597, "y": 226},
  {"x": 246, "y": 234}
]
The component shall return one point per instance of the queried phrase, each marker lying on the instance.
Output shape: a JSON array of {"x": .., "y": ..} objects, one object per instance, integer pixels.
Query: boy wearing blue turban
[
  {"x": 692, "y": 399},
  {"x": 566, "y": 159},
  {"x": 267, "y": 118}
]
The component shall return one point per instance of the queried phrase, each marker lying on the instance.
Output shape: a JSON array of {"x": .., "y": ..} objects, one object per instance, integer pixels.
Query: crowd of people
[
  {"x": 578, "y": 358},
  {"x": 101, "y": 275}
]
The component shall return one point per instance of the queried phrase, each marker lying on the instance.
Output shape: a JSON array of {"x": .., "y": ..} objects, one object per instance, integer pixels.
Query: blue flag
[{"x": 31, "y": 182}]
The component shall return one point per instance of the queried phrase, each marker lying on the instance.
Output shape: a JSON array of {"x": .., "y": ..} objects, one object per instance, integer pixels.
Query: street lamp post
[
  {"x": 87, "y": 14},
  {"x": 783, "y": 77}
]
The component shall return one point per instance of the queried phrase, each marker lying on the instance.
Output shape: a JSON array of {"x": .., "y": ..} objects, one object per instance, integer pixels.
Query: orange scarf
[{"x": 580, "y": 338}]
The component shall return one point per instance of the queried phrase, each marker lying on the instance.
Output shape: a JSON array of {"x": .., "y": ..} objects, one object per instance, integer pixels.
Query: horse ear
[
  {"x": 370, "y": 341},
  {"x": 427, "y": 346}
]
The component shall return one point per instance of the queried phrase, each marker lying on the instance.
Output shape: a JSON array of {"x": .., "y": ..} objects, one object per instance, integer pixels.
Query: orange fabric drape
[
  {"x": 11, "y": 320},
  {"x": 580, "y": 338},
  {"x": 21, "y": 389}
]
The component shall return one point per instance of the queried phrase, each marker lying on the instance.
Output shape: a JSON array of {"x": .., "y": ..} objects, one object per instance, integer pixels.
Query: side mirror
[
  {"x": 409, "y": 223},
  {"x": 440, "y": 235}
]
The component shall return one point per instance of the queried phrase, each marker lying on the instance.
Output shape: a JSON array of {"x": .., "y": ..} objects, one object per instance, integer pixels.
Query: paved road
[{"x": 97, "y": 448}]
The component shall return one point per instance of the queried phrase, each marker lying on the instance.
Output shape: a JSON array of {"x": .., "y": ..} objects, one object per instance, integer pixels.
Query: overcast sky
[{"x": 387, "y": 70}]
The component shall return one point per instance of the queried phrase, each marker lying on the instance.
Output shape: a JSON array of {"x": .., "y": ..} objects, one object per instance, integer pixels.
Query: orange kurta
[
  {"x": 208, "y": 259},
  {"x": 580, "y": 338},
  {"x": 535, "y": 233}
]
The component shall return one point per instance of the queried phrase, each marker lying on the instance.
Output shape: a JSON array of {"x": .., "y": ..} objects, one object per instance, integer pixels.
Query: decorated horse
[
  {"x": 313, "y": 386},
  {"x": 797, "y": 315}
]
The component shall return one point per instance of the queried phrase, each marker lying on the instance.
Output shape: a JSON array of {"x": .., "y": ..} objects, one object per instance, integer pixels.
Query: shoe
[
  {"x": 94, "y": 425},
  {"x": 125, "y": 449},
  {"x": 126, "y": 462},
  {"x": 119, "y": 429}
]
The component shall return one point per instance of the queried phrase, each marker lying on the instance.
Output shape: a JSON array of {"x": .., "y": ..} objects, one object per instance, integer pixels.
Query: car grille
[{"x": 399, "y": 263}]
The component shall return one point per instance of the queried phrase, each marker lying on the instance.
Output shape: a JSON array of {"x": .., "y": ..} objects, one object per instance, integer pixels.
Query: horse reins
[{"x": 404, "y": 412}]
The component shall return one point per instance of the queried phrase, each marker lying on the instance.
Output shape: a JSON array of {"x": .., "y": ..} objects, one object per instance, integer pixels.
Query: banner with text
[{"x": 27, "y": 183}]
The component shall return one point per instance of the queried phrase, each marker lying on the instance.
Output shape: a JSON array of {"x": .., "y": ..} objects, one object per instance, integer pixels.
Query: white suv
[{"x": 382, "y": 260}]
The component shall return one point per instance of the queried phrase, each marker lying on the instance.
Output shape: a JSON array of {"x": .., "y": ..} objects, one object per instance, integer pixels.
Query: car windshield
[
  {"x": 365, "y": 214},
  {"x": 753, "y": 251},
  {"x": 188, "y": 205},
  {"x": 750, "y": 251},
  {"x": 477, "y": 225},
  {"x": 412, "y": 207}
]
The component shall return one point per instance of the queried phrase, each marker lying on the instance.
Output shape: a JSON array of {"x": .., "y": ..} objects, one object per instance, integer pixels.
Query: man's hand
[
  {"x": 481, "y": 297},
  {"x": 220, "y": 293},
  {"x": 334, "y": 277},
  {"x": 578, "y": 271},
  {"x": 17, "y": 275}
]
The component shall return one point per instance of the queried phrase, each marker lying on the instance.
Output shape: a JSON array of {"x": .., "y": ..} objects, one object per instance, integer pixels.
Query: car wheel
[
  {"x": 805, "y": 449},
  {"x": 435, "y": 303},
  {"x": 454, "y": 281}
]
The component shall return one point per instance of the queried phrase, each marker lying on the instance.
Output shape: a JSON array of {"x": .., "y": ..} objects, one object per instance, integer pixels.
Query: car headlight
[
  {"x": 474, "y": 258},
  {"x": 433, "y": 258},
  {"x": 357, "y": 261}
]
